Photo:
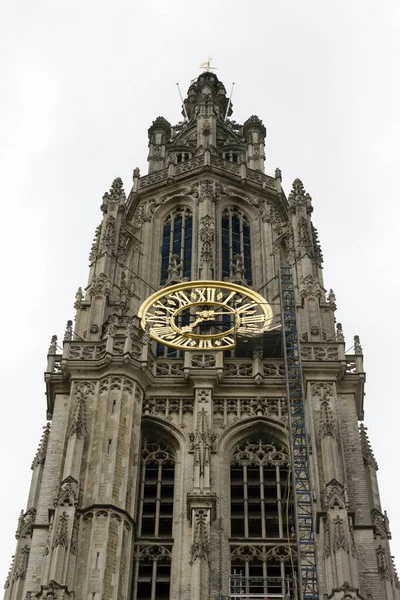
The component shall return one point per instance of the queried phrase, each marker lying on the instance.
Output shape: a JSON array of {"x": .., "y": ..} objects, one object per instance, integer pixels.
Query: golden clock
[{"x": 195, "y": 315}]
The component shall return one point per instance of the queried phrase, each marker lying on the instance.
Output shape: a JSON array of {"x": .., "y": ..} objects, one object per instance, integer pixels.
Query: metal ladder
[{"x": 300, "y": 463}]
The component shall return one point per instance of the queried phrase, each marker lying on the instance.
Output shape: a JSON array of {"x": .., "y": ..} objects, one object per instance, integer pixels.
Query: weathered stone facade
[{"x": 111, "y": 395}]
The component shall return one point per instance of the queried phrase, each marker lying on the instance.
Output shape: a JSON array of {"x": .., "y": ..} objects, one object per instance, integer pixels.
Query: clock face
[{"x": 204, "y": 315}]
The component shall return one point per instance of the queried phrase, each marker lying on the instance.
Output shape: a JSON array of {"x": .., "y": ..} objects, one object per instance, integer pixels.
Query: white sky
[{"x": 81, "y": 83}]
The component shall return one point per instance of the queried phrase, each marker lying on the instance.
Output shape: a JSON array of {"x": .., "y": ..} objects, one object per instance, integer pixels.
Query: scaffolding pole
[{"x": 300, "y": 463}]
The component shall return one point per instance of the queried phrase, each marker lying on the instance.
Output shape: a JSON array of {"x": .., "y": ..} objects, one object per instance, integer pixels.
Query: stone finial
[
  {"x": 78, "y": 298},
  {"x": 53, "y": 345},
  {"x": 278, "y": 174},
  {"x": 40, "y": 455},
  {"x": 368, "y": 455},
  {"x": 298, "y": 195},
  {"x": 339, "y": 333},
  {"x": 68, "y": 332},
  {"x": 116, "y": 194},
  {"x": 357, "y": 346},
  {"x": 332, "y": 298},
  {"x": 136, "y": 173}
]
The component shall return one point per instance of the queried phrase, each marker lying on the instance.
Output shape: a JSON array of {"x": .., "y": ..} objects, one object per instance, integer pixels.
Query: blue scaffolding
[{"x": 300, "y": 463}]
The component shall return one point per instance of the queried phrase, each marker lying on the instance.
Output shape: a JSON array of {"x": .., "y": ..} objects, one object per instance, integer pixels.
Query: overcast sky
[{"x": 81, "y": 83}]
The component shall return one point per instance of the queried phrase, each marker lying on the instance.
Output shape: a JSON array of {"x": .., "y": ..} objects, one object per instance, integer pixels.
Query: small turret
[
  {"x": 254, "y": 133},
  {"x": 159, "y": 135}
]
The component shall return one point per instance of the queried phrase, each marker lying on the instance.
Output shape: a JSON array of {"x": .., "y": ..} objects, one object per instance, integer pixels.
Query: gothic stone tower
[{"x": 164, "y": 471}]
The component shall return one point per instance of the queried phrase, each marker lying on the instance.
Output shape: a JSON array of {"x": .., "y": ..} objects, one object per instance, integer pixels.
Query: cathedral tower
[{"x": 203, "y": 437}]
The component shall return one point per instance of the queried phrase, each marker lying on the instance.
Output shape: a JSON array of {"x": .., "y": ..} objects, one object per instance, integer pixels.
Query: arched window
[
  {"x": 262, "y": 537},
  {"x": 235, "y": 241},
  {"x": 155, "y": 518},
  {"x": 177, "y": 240}
]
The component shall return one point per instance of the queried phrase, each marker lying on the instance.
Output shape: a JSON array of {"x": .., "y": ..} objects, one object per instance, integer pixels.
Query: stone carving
[
  {"x": 123, "y": 243},
  {"x": 238, "y": 369},
  {"x": 317, "y": 246},
  {"x": 298, "y": 195},
  {"x": 88, "y": 351},
  {"x": 83, "y": 389},
  {"x": 200, "y": 547},
  {"x": 206, "y": 234},
  {"x": 260, "y": 452},
  {"x": 94, "y": 252},
  {"x": 116, "y": 193},
  {"x": 323, "y": 391},
  {"x": 40, "y": 455},
  {"x": 154, "y": 553},
  {"x": 108, "y": 239},
  {"x": 305, "y": 242},
  {"x": 203, "y": 361},
  {"x": 258, "y": 554},
  {"x": 381, "y": 524},
  {"x": 319, "y": 352},
  {"x": 74, "y": 547},
  {"x": 368, "y": 455},
  {"x": 357, "y": 346},
  {"x": 22, "y": 563},
  {"x": 383, "y": 567},
  {"x": 173, "y": 369},
  {"x": 67, "y": 493},
  {"x": 339, "y": 536},
  {"x": 25, "y": 523},
  {"x": 339, "y": 333},
  {"x": 53, "y": 345},
  {"x": 169, "y": 408},
  {"x": 202, "y": 441},
  {"x": 68, "y": 332},
  {"x": 156, "y": 452},
  {"x": 61, "y": 535},
  {"x": 238, "y": 270},
  {"x": 100, "y": 285},
  {"x": 78, "y": 299},
  {"x": 332, "y": 299},
  {"x": 310, "y": 287},
  {"x": 327, "y": 539},
  {"x": 335, "y": 495},
  {"x": 233, "y": 409},
  {"x": 327, "y": 425},
  {"x": 174, "y": 270}
]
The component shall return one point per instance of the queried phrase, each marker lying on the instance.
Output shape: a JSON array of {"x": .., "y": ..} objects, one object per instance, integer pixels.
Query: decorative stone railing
[
  {"x": 206, "y": 160},
  {"x": 322, "y": 351},
  {"x": 332, "y": 352}
]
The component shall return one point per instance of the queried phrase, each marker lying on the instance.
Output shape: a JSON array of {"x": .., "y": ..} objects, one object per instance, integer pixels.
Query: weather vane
[{"x": 207, "y": 65}]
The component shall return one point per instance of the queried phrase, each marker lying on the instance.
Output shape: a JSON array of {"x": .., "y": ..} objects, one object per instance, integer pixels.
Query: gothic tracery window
[
  {"x": 155, "y": 518},
  {"x": 236, "y": 242},
  {"x": 261, "y": 518},
  {"x": 177, "y": 240}
]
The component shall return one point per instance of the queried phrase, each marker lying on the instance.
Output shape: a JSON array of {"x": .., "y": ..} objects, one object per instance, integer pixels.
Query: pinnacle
[
  {"x": 298, "y": 195},
  {"x": 116, "y": 193}
]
